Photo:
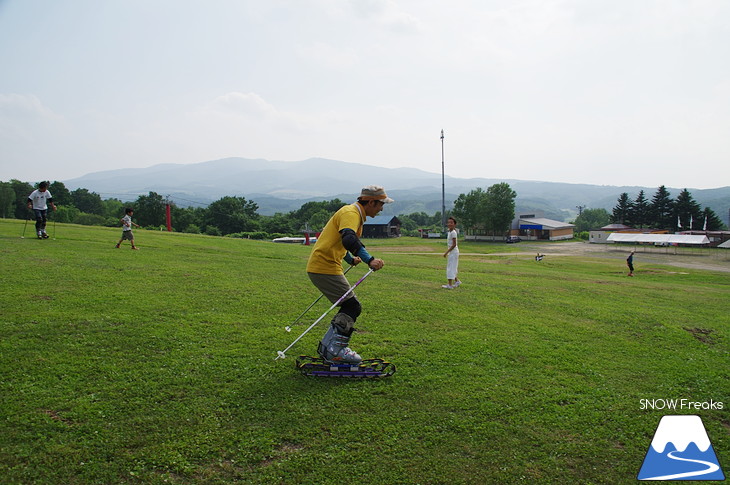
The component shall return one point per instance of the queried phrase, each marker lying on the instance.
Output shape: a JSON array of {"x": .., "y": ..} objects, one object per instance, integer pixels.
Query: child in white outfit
[{"x": 452, "y": 263}]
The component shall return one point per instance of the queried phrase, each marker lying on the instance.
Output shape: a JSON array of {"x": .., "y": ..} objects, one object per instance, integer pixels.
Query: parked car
[{"x": 512, "y": 239}]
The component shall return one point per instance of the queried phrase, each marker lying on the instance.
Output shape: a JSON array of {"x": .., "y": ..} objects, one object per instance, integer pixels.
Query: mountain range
[{"x": 279, "y": 186}]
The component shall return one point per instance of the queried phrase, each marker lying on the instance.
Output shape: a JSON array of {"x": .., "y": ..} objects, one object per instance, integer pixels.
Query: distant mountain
[{"x": 278, "y": 186}]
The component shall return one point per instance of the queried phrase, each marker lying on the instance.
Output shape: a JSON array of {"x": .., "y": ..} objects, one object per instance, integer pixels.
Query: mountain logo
[{"x": 681, "y": 450}]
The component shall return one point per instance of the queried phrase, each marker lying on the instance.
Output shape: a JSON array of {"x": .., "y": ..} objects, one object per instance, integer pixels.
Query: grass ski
[{"x": 368, "y": 368}]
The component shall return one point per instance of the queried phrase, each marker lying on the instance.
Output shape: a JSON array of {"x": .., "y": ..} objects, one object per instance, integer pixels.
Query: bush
[
  {"x": 65, "y": 214},
  {"x": 192, "y": 229},
  {"x": 212, "y": 231},
  {"x": 260, "y": 235},
  {"x": 90, "y": 219}
]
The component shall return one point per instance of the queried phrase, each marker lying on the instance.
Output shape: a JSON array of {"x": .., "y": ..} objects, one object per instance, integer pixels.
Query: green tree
[
  {"x": 470, "y": 210},
  {"x": 422, "y": 219},
  {"x": 186, "y": 219},
  {"x": 66, "y": 213},
  {"x": 407, "y": 224},
  {"x": 500, "y": 207},
  {"x": 89, "y": 219},
  {"x": 319, "y": 220},
  {"x": 22, "y": 191},
  {"x": 61, "y": 195},
  {"x": 87, "y": 202},
  {"x": 490, "y": 211},
  {"x": 279, "y": 224},
  {"x": 662, "y": 209},
  {"x": 113, "y": 208},
  {"x": 232, "y": 214},
  {"x": 713, "y": 223},
  {"x": 641, "y": 211},
  {"x": 304, "y": 214},
  {"x": 688, "y": 211},
  {"x": 622, "y": 211},
  {"x": 592, "y": 219},
  {"x": 7, "y": 200},
  {"x": 149, "y": 210}
]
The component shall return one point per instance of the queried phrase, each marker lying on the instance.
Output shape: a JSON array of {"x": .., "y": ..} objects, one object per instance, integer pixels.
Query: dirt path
[{"x": 688, "y": 258}]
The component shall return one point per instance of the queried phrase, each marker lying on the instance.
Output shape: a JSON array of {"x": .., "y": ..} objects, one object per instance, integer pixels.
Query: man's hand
[
  {"x": 376, "y": 264},
  {"x": 356, "y": 260}
]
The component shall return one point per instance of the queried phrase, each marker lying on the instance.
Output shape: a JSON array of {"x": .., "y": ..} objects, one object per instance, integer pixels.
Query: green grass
[{"x": 157, "y": 366}]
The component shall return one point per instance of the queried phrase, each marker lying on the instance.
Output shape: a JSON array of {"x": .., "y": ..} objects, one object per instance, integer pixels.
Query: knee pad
[
  {"x": 352, "y": 308},
  {"x": 343, "y": 324}
]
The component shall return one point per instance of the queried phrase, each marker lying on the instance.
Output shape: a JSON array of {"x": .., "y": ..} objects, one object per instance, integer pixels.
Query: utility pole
[
  {"x": 580, "y": 209},
  {"x": 443, "y": 185}
]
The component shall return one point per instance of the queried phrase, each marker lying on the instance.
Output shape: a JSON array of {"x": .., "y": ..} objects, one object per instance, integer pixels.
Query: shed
[{"x": 381, "y": 227}]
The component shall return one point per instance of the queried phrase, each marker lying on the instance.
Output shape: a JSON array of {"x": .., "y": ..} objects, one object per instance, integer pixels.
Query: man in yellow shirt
[{"x": 340, "y": 240}]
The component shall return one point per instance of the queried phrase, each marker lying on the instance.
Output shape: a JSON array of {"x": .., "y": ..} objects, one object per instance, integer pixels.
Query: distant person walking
[
  {"x": 38, "y": 202},
  {"x": 630, "y": 263},
  {"x": 452, "y": 255},
  {"x": 127, "y": 228}
]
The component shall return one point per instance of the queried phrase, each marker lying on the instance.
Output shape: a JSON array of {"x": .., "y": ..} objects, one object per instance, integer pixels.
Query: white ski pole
[
  {"x": 281, "y": 354},
  {"x": 288, "y": 327}
]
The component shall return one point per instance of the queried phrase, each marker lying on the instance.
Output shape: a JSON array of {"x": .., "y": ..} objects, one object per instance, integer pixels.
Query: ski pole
[
  {"x": 26, "y": 225},
  {"x": 288, "y": 327},
  {"x": 281, "y": 354}
]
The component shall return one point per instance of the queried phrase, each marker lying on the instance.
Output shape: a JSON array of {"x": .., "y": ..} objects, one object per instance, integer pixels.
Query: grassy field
[{"x": 157, "y": 365}]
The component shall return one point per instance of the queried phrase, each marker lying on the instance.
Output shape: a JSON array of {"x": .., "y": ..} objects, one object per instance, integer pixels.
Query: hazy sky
[{"x": 614, "y": 92}]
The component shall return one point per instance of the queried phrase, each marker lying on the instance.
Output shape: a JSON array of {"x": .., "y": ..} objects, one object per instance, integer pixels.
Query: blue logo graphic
[{"x": 681, "y": 450}]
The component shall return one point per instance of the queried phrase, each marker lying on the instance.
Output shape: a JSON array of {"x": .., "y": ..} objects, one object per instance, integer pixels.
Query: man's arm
[{"x": 353, "y": 244}]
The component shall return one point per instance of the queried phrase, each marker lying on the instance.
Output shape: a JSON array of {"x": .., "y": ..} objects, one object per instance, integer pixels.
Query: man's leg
[
  {"x": 334, "y": 345},
  {"x": 39, "y": 217}
]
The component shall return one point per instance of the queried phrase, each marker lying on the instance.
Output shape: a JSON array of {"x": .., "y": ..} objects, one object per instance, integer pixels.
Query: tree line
[
  {"x": 227, "y": 216},
  {"x": 662, "y": 212}
]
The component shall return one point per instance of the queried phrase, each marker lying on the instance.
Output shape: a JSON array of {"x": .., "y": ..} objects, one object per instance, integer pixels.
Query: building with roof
[
  {"x": 600, "y": 236},
  {"x": 542, "y": 229},
  {"x": 716, "y": 237},
  {"x": 381, "y": 227},
  {"x": 659, "y": 239}
]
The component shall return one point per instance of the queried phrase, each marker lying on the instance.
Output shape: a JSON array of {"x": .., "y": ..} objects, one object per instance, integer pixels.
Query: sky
[{"x": 607, "y": 92}]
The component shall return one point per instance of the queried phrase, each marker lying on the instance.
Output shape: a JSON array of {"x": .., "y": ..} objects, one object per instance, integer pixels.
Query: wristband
[{"x": 363, "y": 254}]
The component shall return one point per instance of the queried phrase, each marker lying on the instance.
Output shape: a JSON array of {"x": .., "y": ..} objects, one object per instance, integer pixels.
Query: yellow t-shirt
[{"x": 328, "y": 252}]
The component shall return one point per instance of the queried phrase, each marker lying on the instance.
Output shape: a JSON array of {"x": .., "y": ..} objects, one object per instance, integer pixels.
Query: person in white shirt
[
  {"x": 38, "y": 202},
  {"x": 452, "y": 263},
  {"x": 127, "y": 227}
]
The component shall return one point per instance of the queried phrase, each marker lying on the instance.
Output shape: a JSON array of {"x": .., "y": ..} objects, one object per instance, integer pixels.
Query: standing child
[
  {"x": 630, "y": 263},
  {"x": 38, "y": 202},
  {"x": 127, "y": 227},
  {"x": 452, "y": 263}
]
